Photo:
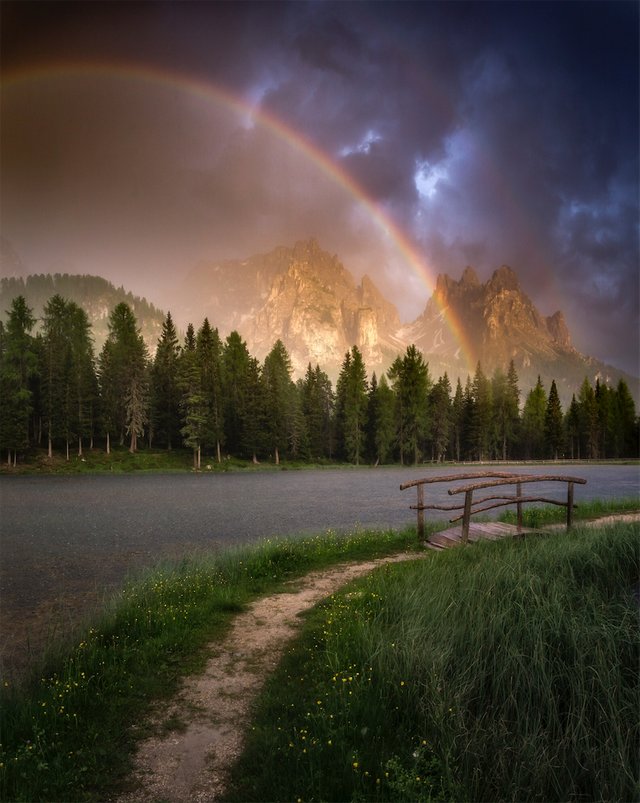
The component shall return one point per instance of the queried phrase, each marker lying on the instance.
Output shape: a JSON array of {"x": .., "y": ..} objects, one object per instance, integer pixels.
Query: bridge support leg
[
  {"x": 466, "y": 518},
  {"x": 569, "y": 504},
  {"x": 420, "y": 512},
  {"x": 519, "y": 505}
]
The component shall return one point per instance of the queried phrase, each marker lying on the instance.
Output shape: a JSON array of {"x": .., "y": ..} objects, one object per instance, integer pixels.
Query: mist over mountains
[{"x": 307, "y": 298}]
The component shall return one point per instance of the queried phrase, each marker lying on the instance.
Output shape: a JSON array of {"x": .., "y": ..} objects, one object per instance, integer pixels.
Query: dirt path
[{"x": 192, "y": 763}]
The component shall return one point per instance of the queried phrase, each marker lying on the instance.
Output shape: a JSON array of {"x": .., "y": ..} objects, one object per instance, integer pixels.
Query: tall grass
[
  {"x": 504, "y": 671},
  {"x": 65, "y": 731},
  {"x": 541, "y": 515}
]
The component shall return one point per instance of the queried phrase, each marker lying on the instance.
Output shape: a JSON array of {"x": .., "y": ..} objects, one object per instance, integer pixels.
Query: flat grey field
[{"x": 67, "y": 542}]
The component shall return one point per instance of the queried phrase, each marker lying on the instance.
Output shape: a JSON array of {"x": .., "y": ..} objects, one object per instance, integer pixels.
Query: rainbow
[{"x": 213, "y": 93}]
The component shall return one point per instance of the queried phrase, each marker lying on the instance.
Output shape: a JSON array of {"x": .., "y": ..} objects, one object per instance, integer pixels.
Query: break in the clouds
[{"x": 486, "y": 133}]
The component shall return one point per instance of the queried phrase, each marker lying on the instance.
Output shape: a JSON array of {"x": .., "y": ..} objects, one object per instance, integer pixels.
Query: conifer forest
[{"x": 213, "y": 397}]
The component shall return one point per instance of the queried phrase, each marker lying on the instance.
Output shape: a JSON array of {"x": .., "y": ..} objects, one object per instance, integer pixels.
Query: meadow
[{"x": 502, "y": 671}]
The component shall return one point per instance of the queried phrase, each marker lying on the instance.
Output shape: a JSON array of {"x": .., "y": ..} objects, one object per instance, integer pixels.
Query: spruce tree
[
  {"x": 317, "y": 400},
  {"x": 553, "y": 424},
  {"x": 280, "y": 401},
  {"x": 441, "y": 418},
  {"x": 481, "y": 431},
  {"x": 193, "y": 404},
  {"x": 18, "y": 368},
  {"x": 588, "y": 416},
  {"x": 351, "y": 406},
  {"x": 533, "y": 417},
  {"x": 164, "y": 416},
  {"x": 410, "y": 380},
  {"x": 381, "y": 420},
  {"x": 124, "y": 378}
]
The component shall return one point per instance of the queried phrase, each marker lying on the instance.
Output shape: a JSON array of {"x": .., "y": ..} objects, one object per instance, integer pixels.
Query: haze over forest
[{"x": 410, "y": 139}]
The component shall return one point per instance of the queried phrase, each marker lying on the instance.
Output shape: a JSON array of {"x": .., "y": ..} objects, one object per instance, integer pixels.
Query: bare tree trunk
[
  {"x": 218, "y": 452},
  {"x": 50, "y": 447},
  {"x": 79, "y": 445},
  {"x": 277, "y": 456},
  {"x": 15, "y": 457},
  {"x": 199, "y": 455},
  {"x": 108, "y": 443},
  {"x": 67, "y": 450},
  {"x": 134, "y": 442}
]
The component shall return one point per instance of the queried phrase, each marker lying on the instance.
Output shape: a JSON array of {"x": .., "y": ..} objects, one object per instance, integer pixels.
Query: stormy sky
[{"x": 140, "y": 138}]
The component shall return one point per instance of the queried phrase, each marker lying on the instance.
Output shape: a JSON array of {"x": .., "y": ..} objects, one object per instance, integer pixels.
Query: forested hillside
[
  {"x": 215, "y": 398},
  {"x": 94, "y": 294}
]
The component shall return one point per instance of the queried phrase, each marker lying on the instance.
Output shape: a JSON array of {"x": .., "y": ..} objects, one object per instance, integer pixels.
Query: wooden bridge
[{"x": 474, "y": 531}]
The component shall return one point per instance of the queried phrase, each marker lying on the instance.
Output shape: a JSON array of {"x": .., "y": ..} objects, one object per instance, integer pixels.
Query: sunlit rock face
[{"x": 305, "y": 297}]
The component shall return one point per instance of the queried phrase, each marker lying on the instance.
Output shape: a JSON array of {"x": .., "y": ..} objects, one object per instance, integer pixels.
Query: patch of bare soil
[{"x": 210, "y": 714}]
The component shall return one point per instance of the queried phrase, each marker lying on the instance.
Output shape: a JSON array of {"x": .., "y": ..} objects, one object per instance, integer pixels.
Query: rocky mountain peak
[
  {"x": 469, "y": 277},
  {"x": 559, "y": 330},
  {"x": 504, "y": 279}
]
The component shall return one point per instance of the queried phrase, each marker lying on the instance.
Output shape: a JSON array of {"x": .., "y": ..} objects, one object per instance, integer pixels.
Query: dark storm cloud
[{"x": 490, "y": 133}]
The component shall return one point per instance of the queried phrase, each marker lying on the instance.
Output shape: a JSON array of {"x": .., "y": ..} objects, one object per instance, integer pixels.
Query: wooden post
[
  {"x": 420, "y": 488},
  {"x": 519, "y": 505},
  {"x": 569, "y": 504},
  {"x": 466, "y": 516}
]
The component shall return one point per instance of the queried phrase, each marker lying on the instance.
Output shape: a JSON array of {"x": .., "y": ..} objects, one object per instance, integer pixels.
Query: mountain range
[{"x": 307, "y": 298}]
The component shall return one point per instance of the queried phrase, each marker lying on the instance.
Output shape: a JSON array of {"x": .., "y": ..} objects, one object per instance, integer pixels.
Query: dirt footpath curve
[{"x": 193, "y": 764}]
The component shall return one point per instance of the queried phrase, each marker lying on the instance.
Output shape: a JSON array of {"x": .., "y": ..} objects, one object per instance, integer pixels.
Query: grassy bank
[
  {"x": 517, "y": 657},
  {"x": 65, "y": 732},
  {"x": 543, "y": 515},
  {"x": 120, "y": 460},
  {"x": 503, "y": 672}
]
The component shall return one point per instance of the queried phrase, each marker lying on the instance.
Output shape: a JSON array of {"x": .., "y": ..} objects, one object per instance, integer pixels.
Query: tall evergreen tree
[
  {"x": 410, "y": 380},
  {"x": 317, "y": 402},
  {"x": 193, "y": 404},
  {"x": 280, "y": 400},
  {"x": 351, "y": 406},
  {"x": 164, "y": 416},
  {"x": 588, "y": 410},
  {"x": 533, "y": 417},
  {"x": 124, "y": 378},
  {"x": 553, "y": 424},
  {"x": 238, "y": 377},
  {"x": 381, "y": 420},
  {"x": 457, "y": 422},
  {"x": 54, "y": 370},
  {"x": 506, "y": 416},
  {"x": 209, "y": 351},
  {"x": 627, "y": 422},
  {"x": 18, "y": 369},
  {"x": 83, "y": 375},
  {"x": 481, "y": 431},
  {"x": 441, "y": 418},
  {"x": 572, "y": 429}
]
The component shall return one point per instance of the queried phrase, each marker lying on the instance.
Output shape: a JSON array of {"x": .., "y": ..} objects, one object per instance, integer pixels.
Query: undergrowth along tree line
[{"x": 215, "y": 398}]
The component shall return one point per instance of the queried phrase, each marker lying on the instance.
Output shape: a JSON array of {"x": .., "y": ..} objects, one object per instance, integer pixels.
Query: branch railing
[{"x": 490, "y": 479}]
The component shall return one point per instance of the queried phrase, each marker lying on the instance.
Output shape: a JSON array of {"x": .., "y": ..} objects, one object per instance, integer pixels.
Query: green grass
[
  {"x": 553, "y": 514},
  {"x": 519, "y": 657},
  {"x": 505, "y": 671},
  {"x": 65, "y": 731}
]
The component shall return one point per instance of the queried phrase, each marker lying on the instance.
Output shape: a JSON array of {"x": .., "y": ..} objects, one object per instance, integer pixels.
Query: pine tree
[
  {"x": 164, "y": 390},
  {"x": 239, "y": 390},
  {"x": 572, "y": 428},
  {"x": 533, "y": 417},
  {"x": 18, "y": 368},
  {"x": 351, "y": 406},
  {"x": 553, "y": 424},
  {"x": 85, "y": 395},
  {"x": 627, "y": 422},
  {"x": 54, "y": 370},
  {"x": 457, "y": 422},
  {"x": 209, "y": 352},
  {"x": 280, "y": 401},
  {"x": 588, "y": 412},
  {"x": 411, "y": 383},
  {"x": 317, "y": 402},
  {"x": 505, "y": 398},
  {"x": 482, "y": 416},
  {"x": 441, "y": 418},
  {"x": 124, "y": 378},
  {"x": 381, "y": 420},
  {"x": 193, "y": 404}
]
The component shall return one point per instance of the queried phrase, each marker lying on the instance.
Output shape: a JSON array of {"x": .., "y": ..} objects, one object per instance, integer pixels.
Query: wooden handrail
[{"x": 491, "y": 479}]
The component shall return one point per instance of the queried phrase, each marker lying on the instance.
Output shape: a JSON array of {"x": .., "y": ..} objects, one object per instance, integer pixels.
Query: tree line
[{"x": 215, "y": 398}]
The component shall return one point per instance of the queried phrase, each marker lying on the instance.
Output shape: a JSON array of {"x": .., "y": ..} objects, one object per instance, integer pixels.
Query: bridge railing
[{"x": 490, "y": 479}]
